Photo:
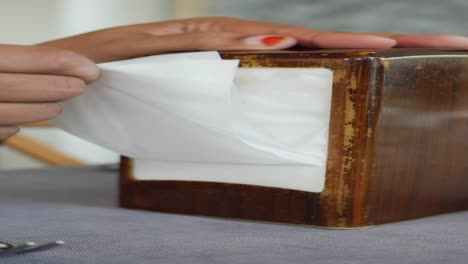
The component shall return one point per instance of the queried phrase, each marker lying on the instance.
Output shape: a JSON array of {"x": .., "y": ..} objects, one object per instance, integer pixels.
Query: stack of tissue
[{"x": 197, "y": 108}]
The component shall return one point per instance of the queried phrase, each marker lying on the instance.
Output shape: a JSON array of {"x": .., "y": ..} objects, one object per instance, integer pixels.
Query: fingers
[
  {"x": 8, "y": 131},
  {"x": 33, "y": 79},
  {"x": 332, "y": 40},
  {"x": 426, "y": 41},
  {"x": 46, "y": 60},
  {"x": 215, "y": 41},
  {"x": 16, "y": 87},
  {"x": 308, "y": 37},
  {"x": 432, "y": 41},
  {"x": 305, "y": 37},
  {"x": 237, "y": 41},
  {"x": 14, "y": 114},
  {"x": 323, "y": 39},
  {"x": 139, "y": 44},
  {"x": 221, "y": 33}
]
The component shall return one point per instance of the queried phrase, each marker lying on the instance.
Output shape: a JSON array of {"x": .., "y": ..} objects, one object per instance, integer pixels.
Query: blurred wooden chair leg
[{"x": 40, "y": 151}]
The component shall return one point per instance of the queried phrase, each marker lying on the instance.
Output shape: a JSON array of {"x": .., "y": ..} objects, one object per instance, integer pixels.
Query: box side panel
[{"x": 420, "y": 165}]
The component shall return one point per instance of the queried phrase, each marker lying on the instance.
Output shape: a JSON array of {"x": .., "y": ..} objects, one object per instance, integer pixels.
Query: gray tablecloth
[{"x": 78, "y": 205}]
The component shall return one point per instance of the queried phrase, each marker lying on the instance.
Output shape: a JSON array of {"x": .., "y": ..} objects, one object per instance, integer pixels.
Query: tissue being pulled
[{"x": 198, "y": 108}]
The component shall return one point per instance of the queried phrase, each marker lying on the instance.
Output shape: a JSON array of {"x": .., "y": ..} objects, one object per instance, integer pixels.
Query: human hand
[
  {"x": 34, "y": 79},
  {"x": 221, "y": 33}
]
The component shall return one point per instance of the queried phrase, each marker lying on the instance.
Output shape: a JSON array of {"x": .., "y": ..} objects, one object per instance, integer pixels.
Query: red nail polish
[{"x": 272, "y": 40}]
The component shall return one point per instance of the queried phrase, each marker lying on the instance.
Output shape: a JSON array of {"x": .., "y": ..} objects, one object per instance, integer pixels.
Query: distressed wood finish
[{"x": 396, "y": 146}]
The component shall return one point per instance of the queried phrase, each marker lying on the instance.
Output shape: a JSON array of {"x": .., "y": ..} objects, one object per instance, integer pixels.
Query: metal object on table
[
  {"x": 45, "y": 246},
  {"x": 5, "y": 246},
  {"x": 27, "y": 247}
]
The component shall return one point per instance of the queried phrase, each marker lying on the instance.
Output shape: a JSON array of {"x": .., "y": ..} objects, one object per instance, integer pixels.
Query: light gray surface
[
  {"x": 399, "y": 16},
  {"x": 78, "y": 205}
]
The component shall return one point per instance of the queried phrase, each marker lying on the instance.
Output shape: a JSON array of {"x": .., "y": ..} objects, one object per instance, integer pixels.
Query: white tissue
[{"x": 195, "y": 109}]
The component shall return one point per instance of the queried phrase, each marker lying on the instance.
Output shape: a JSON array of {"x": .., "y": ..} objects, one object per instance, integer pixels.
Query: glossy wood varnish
[{"x": 397, "y": 147}]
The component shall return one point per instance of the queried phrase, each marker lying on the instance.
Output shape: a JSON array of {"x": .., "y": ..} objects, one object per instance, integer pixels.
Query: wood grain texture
[
  {"x": 396, "y": 146},
  {"x": 420, "y": 164}
]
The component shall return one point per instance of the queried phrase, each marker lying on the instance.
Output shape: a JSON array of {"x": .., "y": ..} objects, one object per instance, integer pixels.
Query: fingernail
[
  {"x": 382, "y": 41},
  {"x": 54, "y": 108},
  {"x": 270, "y": 40},
  {"x": 454, "y": 41},
  {"x": 90, "y": 72},
  {"x": 48, "y": 111},
  {"x": 8, "y": 131}
]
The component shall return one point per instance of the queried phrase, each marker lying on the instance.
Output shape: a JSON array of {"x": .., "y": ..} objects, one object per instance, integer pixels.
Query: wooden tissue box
[{"x": 397, "y": 146}]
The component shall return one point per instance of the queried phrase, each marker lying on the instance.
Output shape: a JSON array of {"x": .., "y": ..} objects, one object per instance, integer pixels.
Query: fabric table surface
[{"x": 79, "y": 205}]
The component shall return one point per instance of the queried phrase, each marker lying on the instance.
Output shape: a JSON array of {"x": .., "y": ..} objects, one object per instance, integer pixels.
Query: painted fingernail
[{"x": 270, "y": 41}]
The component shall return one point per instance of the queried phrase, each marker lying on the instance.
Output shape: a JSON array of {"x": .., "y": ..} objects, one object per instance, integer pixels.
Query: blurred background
[{"x": 33, "y": 21}]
